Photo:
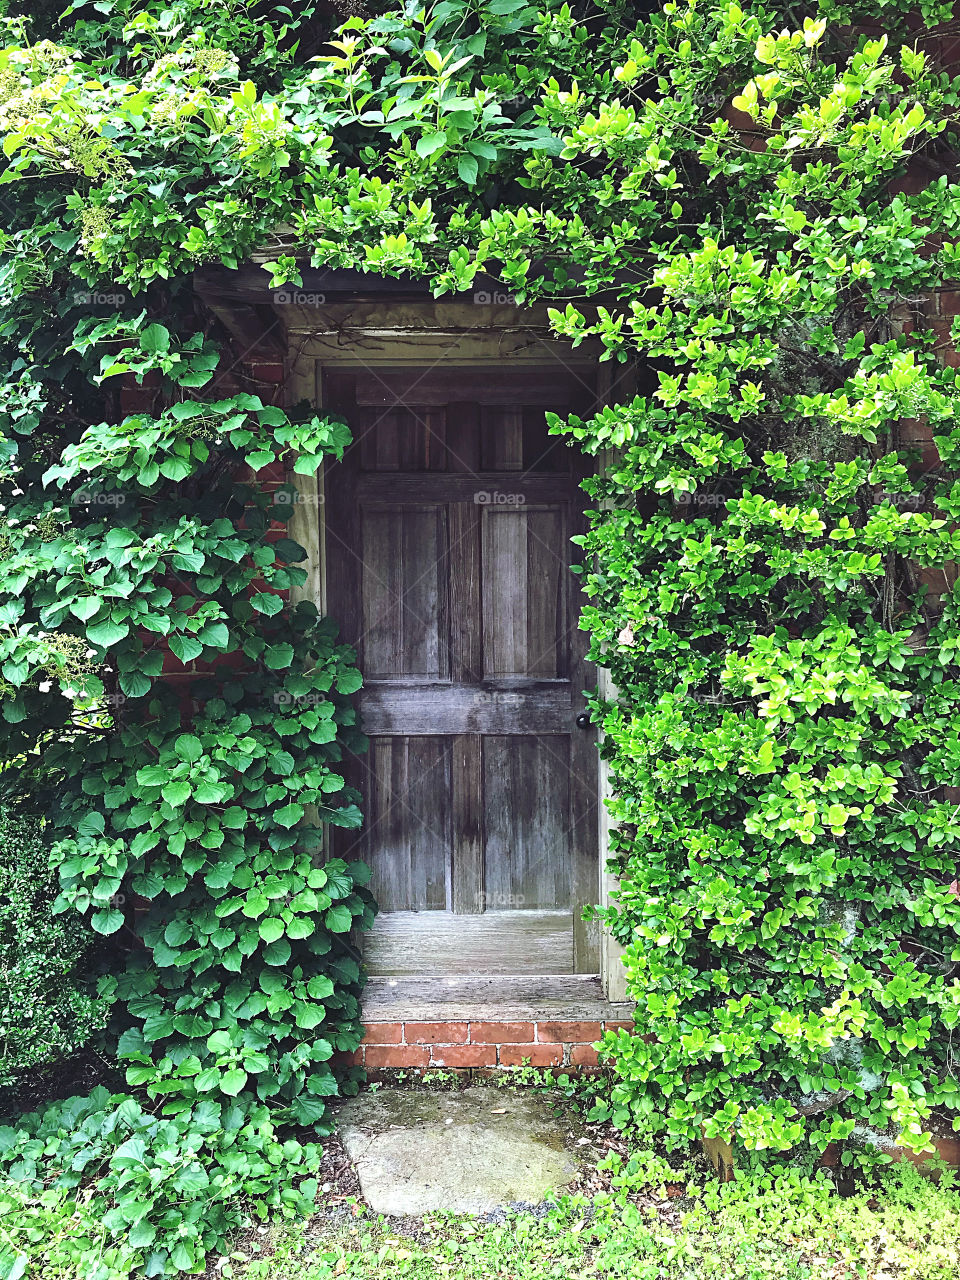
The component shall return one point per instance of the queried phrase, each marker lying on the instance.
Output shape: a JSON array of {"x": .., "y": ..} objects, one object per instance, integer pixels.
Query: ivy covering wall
[{"x": 752, "y": 203}]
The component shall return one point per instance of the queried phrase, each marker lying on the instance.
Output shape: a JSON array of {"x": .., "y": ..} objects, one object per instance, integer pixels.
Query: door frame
[{"x": 353, "y": 335}]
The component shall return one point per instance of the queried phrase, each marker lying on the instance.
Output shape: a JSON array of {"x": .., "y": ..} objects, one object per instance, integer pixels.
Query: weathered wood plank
[
  {"x": 547, "y": 386},
  {"x": 469, "y": 836},
  {"x": 494, "y": 489},
  {"x": 574, "y": 997},
  {"x": 429, "y": 942},
  {"x": 584, "y": 780},
  {"x": 494, "y": 707},
  {"x": 526, "y": 789},
  {"x": 462, "y": 572},
  {"x": 407, "y": 825},
  {"x": 403, "y": 594}
]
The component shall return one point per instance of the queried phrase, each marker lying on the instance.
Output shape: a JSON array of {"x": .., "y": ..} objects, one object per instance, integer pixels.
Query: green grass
[{"x": 791, "y": 1228}]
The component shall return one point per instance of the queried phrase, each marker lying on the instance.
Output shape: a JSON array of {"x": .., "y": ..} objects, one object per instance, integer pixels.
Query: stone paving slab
[{"x": 469, "y": 1151}]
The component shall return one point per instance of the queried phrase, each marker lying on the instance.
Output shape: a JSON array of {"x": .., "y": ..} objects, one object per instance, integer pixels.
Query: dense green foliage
[
  {"x": 650, "y": 1221},
  {"x": 48, "y": 1008},
  {"x": 787, "y": 707},
  {"x": 165, "y": 1191}
]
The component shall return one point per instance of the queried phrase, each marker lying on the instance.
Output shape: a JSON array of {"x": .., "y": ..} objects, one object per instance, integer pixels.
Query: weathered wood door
[{"x": 448, "y": 528}]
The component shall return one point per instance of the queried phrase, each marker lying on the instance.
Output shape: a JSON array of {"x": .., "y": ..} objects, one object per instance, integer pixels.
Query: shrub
[
  {"x": 765, "y": 572},
  {"x": 47, "y": 1008},
  {"x": 157, "y": 1194}
]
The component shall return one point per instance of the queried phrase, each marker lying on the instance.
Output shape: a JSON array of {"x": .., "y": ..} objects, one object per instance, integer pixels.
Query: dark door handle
[{"x": 583, "y": 720}]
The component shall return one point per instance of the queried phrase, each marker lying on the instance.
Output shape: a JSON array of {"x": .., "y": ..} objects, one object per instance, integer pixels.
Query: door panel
[
  {"x": 524, "y": 592},
  {"x": 526, "y": 788},
  {"x": 448, "y": 544},
  {"x": 402, "y": 591},
  {"x": 408, "y": 816}
]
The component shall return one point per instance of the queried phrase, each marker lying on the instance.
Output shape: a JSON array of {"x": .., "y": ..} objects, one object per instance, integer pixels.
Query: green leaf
[
  {"x": 309, "y": 1016},
  {"x": 220, "y": 1041},
  {"x": 186, "y": 648},
  {"x": 107, "y": 921},
  {"x": 467, "y": 169},
  {"x": 174, "y": 469},
  {"x": 289, "y": 815},
  {"x": 188, "y": 747},
  {"x": 277, "y": 953},
  {"x": 300, "y": 927},
  {"x": 91, "y": 824},
  {"x": 430, "y": 142},
  {"x": 349, "y": 681},
  {"x": 191, "y": 1024},
  {"x": 85, "y": 607},
  {"x": 141, "y": 1235},
  {"x": 181, "y": 1257},
  {"x": 192, "y": 1180},
  {"x": 339, "y": 919},
  {"x": 278, "y": 656},
  {"x": 232, "y": 1081},
  {"x": 155, "y": 339},
  {"x": 308, "y": 1111},
  {"x": 107, "y": 633},
  {"x": 177, "y": 793},
  {"x": 135, "y": 684},
  {"x": 271, "y": 929},
  {"x": 267, "y": 602}
]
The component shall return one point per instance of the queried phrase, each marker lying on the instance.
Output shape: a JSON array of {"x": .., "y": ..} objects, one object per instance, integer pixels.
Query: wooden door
[{"x": 448, "y": 528}]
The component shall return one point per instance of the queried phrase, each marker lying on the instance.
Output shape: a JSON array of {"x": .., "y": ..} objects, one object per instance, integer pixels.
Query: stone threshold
[{"x": 465, "y": 1022}]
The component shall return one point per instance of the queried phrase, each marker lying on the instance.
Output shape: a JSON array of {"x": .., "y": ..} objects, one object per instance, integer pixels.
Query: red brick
[
  {"x": 935, "y": 579},
  {"x": 616, "y": 1026},
  {"x": 383, "y": 1033},
  {"x": 436, "y": 1032},
  {"x": 569, "y": 1032},
  {"x": 911, "y": 182},
  {"x": 265, "y": 372},
  {"x": 501, "y": 1032},
  {"x": 396, "y": 1055},
  {"x": 135, "y": 400},
  {"x": 538, "y": 1055},
  {"x": 463, "y": 1055},
  {"x": 583, "y": 1055}
]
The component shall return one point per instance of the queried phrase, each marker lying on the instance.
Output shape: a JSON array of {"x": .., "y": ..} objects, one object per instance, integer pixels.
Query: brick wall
[{"x": 417, "y": 1045}]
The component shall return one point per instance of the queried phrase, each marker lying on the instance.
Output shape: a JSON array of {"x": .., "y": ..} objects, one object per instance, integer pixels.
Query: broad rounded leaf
[
  {"x": 271, "y": 929},
  {"x": 107, "y": 921},
  {"x": 232, "y": 1081},
  {"x": 339, "y": 919}
]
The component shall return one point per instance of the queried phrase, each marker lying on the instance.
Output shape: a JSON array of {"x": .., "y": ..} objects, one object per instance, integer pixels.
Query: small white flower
[
  {"x": 17, "y": 492},
  {"x": 45, "y": 686}
]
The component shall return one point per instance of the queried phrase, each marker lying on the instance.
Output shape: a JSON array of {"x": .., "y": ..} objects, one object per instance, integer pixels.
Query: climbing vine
[{"x": 753, "y": 211}]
